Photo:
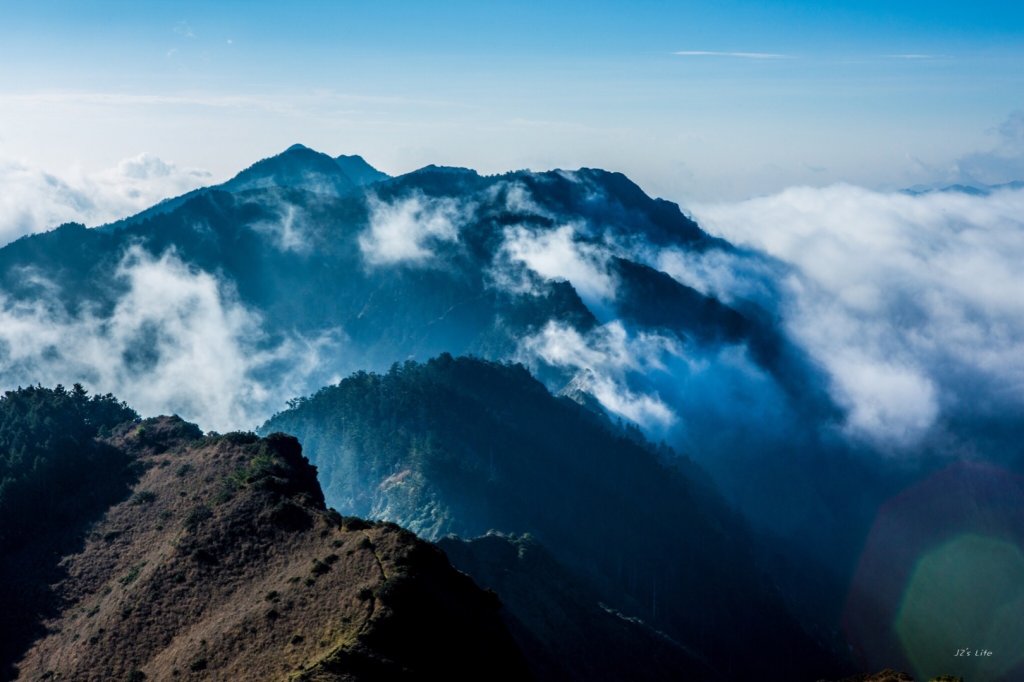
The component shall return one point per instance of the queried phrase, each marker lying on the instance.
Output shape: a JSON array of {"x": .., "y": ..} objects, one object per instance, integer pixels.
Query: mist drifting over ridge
[
  {"x": 813, "y": 351},
  {"x": 768, "y": 426},
  {"x": 902, "y": 305},
  {"x": 908, "y": 302}
]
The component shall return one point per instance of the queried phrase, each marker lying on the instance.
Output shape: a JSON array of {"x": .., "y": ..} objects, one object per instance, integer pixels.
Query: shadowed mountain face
[
  {"x": 463, "y": 446},
  {"x": 388, "y": 268},
  {"x": 561, "y": 624},
  {"x": 220, "y": 561},
  {"x": 304, "y": 268},
  {"x": 298, "y": 167},
  {"x": 223, "y": 304},
  {"x": 56, "y": 478}
]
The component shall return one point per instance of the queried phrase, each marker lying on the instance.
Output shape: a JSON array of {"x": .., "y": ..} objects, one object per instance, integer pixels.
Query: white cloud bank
[
  {"x": 556, "y": 255},
  {"x": 914, "y": 305},
  {"x": 176, "y": 341},
  {"x": 603, "y": 361},
  {"x": 290, "y": 229},
  {"x": 406, "y": 230},
  {"x": 32, "y": 200}
]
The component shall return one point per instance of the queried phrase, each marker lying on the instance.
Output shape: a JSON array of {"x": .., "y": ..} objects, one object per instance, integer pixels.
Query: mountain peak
[
  {"x": 358, "y": 170},
  {"x": 305, "y": 168},
  {"x": 297, "y": 167},
  {"x": 453, "y": 170}
]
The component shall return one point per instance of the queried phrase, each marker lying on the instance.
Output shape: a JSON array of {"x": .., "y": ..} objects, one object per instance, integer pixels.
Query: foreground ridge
[{"x": 224, "y": 563}]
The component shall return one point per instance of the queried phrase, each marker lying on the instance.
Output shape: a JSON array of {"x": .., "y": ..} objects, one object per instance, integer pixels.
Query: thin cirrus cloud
[
  {"x": 736, "y": 55},
  {"x": 918, "y": 56},
  {"x": 184, "y": 29},
  {"x": 908, "y": 56}
]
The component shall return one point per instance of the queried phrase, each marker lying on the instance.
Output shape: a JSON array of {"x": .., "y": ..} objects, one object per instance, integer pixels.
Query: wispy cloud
[
  {"x": 602, "y": 361},
  {"x": 1004, "y": 162},
  {"x": 295, "y": 101},
  {"x": 555, "y": 254},
  {"x": 406, "y": 231},
  {"x": 917, "y": 56},
  {"x": 737, "y": 55},
  {"x": 34, "y": 200},
  {"x": 182, "y": 28}
]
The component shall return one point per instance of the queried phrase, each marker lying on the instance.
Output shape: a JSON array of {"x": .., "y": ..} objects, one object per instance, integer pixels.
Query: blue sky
[{"x": 694, "y": 100}]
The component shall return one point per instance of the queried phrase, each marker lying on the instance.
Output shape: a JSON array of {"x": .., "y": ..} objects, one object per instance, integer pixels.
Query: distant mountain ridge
[
  {"x": 261, "y": 229},
  {"x": 569, "y": 272},
  {"x": 297, "y": 167},
  {"x": 228, "y": 302},
  {"x": 979, "y": 190}
]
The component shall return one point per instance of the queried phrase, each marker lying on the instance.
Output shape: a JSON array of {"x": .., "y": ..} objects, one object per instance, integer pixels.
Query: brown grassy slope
[{"x": 225, "y": 564}]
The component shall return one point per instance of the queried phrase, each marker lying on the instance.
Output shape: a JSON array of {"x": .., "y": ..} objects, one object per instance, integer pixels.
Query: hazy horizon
[
  {"x": 784, "y": 130},
  {"x": 696, "y": 103}
]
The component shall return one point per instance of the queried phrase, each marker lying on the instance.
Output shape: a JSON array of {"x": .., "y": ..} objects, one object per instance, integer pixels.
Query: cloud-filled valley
[
  {"x": 911, "y": 303},
  {"x": 538, "y": 341},
  {"x": 907, "y": 304},
  {"x": 793, "y": 348},
  {"x": 34, "y": 200},
  {"x": 176, "y": 341},
  {"x": 833, "y": 322}
]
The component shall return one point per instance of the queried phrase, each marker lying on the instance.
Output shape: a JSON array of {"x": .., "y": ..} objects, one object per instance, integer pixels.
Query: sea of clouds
[
  {"x": 35, "y": 200},
  {"x": 908, "y": 307},
  {"x": 912, "y": 304}
]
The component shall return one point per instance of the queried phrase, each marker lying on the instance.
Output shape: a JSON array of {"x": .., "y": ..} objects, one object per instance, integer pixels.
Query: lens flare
[
  {"x": 939, "y": 588},
  {"x": 966, "y": 597}
]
